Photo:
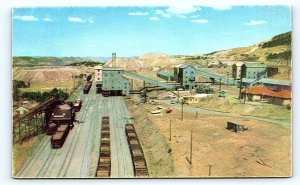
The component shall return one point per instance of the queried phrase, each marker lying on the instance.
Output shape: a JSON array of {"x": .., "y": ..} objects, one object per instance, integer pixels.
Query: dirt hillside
[
  {"x": 55, "y": 74},
  {"x": 146, "y": 61}
]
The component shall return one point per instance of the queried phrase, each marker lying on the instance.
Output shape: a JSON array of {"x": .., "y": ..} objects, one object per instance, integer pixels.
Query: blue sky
[{"x": 133, "y": 31}]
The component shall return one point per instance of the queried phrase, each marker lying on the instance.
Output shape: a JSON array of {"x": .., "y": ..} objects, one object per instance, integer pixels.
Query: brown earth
[
  {"x": 157, "y": 151},
  {"x": 45, "y": 74},
  {"x": 146, "y": 61},
  {"x": 228, "y": 153}
]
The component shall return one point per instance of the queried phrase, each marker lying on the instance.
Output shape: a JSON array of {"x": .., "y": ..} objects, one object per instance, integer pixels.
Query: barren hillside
[
  {"x": 45, "y": 74},
  {"x": 274, "y": 51},
  {"x": 146, "y": 61}
]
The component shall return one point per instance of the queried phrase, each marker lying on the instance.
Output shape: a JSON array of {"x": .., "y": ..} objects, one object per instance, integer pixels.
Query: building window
[{"x": 98, "y": 78}]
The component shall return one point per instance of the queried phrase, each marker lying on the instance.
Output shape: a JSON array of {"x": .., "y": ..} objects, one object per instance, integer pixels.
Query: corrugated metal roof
[
  {"x": 112, "y": 69},
  {"x": 165, "y": 73},
  {"x": 285, "y": 94},
  {"x": 248, "y": 80},
  {"x": 274, "y": 82},
  {"x": 254, "y": 65}
]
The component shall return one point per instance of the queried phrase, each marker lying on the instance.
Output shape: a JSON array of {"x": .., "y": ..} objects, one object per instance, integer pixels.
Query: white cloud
[
  {"x": 79, "y": 20},
  {"x": 26, "y": 18},
  {"x": 75, "y": 19},
  {"x": 220, "y": 6},
  {"x": 181, "y": 16},
  {"x": 182, "y": 9},
  {"x": 200, "y": 21},
  {"x": 195, "y": 16},
  {"x": 138, "y": 13},
  {"x": 255, "y": 22},
  {"x": 154, "y": 18},
  {"x": 46, "y": 19},
  {"x": 163, "y": 13}
]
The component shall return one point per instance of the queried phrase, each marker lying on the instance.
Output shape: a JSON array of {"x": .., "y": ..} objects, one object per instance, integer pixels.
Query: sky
[{"x": 133, "y": 31}]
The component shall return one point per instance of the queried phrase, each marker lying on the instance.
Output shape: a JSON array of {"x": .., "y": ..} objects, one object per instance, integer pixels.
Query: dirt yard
[{"x": 263, "y": 150}]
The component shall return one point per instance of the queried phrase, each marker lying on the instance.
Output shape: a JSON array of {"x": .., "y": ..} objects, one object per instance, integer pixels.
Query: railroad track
[
  {"x": 66, "y": 162},
  {"x": 104, "y": 160},
  {"x": 45, "y": 144},
  {"x": 121, "y": 161}
]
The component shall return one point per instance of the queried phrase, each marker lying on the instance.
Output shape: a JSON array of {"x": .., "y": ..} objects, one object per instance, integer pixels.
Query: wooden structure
[
  {"x": 235, "y": 127},
  {"x": 34, "y": 121}
]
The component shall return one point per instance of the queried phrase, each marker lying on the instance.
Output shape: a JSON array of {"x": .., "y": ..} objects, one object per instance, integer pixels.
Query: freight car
[
  {"x": 136, "y": 151},
  {"x": 63, "y": 114},
  {"x": 87, "y": 87},
  {"x": 77, "y": 105},
  {"x": 89, "y": 77},
  {"x": 104, "y": 163},
  {"x": 52, "y": 127},
  {"x": 61, "y": 122},
  {"x": 58, "y": 139}
]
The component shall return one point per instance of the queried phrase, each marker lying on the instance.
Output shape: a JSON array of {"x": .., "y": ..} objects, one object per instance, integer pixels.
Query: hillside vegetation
[
  {"x": 28, "y": 61},
  {"x": 275, "y": 51}
]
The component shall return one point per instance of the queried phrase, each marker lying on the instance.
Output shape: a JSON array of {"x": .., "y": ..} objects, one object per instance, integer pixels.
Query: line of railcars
[
  {"x": 104, "y": 163},
  {"x": 137, "y": 154},
  {"x": 60, "y": 124}
]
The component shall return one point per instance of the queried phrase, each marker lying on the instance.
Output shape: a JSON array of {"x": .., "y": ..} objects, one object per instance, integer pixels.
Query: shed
[
  {"x": 275, "y": 85},
  {"x": 190, "y": 100},
  {"x": 282, "y": 98},
  {"x": 254, "y": 70}
]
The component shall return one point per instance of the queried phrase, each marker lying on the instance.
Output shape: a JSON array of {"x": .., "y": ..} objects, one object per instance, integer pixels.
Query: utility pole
[
  {"x": 220, "y": 85},
  {"x": 240, "y": 95},
  {"x": 177, "y": 96},
  {"x": 170, "y": 130},
  {"x": 196, "y": 114},
  {"x": 182, "y": 110},
  {"x": 191, "y": 147},
  {"x": 245, "y": 95},
  {"x": 227, "y": 78}
]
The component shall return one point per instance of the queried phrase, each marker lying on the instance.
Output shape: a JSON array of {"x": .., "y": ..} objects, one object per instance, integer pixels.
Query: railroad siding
[{"x": 121, "y": 164}]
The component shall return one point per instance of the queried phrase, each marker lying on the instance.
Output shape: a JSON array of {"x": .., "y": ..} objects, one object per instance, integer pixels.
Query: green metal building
[
  {"x": 165, "y": 75},
  {"x": 114, "y": 82},
  {"x": 185, "y": 75},
  {"x": 254, "y": 71}
]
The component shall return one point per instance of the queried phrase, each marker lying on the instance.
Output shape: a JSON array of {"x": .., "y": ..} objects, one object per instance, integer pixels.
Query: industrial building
[
  {"x": 264, "y": 94},
  {"x": 185, "y": 75},
  {"x": 254, "y": 71},
  {"x": 236, "y": 70},
  {"x": 275, "y": 85},
  {"x": 114, "y": 83},
  {"x": 98, "y": 78}
]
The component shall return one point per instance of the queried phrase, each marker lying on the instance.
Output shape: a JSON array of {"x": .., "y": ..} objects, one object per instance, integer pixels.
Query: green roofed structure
[
  {"x": 165, "y": 75},
  {"x": 254, "y": 71}
]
